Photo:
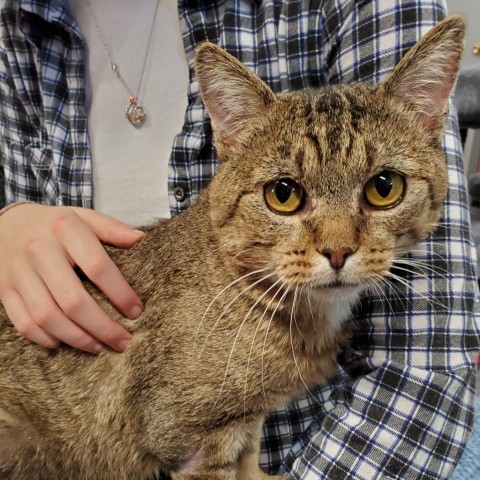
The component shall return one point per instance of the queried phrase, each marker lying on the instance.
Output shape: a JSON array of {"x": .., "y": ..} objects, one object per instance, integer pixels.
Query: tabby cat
[{"x": 246, "y": 294}]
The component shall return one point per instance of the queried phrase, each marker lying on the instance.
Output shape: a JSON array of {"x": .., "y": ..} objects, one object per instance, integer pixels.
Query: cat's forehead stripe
[
  {"x": 343, "y": 107},
  {"x": 333, "y": 118}
]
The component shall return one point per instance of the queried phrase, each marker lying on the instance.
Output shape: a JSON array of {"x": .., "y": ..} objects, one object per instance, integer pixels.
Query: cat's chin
[
  {"x": 336, "y": 300},
  {"x": 334, "y": 291}
]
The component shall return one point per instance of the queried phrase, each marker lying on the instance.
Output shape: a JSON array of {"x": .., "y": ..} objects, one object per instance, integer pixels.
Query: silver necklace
[{"x": 134, "y": 112}]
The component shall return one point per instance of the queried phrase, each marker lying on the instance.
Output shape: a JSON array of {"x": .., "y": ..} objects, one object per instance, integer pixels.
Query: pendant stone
[{"x": 135, "y": 113}]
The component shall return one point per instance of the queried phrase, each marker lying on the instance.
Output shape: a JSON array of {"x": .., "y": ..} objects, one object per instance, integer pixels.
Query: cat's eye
[
  {"x": 385, "y": 189},
  {"x": 284, "y": 196}
]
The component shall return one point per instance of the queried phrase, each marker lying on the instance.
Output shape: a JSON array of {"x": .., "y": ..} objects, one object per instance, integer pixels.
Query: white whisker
[
  {"x": 226, "y": 244},
  {"x": 424, "y": 251},
  {"x": 266, "y": 335},
  {"x": 294, "y": 307},
  {"x": 418, "y": 274},
  {"x": 225, "y": 310},
  {"x": 309, "y": 291},
  {"x": 243, "y": 251},
  {"x": 259, "y": 299},
  {"x": 292, "y": 319},
  {"x": 231, "y": 284},
  {"x": 427, "y": 243},
  {"x": 259, "y": 322},
  {"x": 382, "y": 280},
  {"x": 420, "y": 265},
  {"x": 408, "y": 285}
]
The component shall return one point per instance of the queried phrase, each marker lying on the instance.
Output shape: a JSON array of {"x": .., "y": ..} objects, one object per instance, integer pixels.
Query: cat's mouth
[
  {"x": 338, "y": 290},
  {"x": 335, "y": 284},
  {"x": 338, "y": 284}
]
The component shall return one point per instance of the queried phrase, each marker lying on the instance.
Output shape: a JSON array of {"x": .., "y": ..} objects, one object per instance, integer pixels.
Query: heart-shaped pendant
[{"x": 135, "y": 113}]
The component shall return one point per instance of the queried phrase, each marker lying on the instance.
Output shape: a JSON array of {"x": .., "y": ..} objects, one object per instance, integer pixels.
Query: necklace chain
[{"x": 134, "y": 112}]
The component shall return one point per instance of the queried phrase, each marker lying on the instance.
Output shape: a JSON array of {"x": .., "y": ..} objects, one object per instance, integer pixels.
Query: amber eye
[
  {"x": 385, "y": 189},
  {"x": 284, "y": 196}
]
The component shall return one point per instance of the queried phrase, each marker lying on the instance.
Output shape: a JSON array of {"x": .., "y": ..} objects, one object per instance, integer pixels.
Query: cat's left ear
[
  {"x": 232, "y": 93},
  {"x": 426, "y": 75}
]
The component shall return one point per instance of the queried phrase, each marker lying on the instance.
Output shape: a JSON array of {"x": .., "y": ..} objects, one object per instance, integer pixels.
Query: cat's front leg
[
  {"x": 248, "y": 468},
  {"x": 216, "y": 458},
  {"x": 252, "y": 472},
  {"x": 229, "y": 454},
  {"x": 220, "y": 474}
]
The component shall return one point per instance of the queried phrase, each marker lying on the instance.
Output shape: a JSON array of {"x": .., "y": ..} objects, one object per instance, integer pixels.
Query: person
[{"x": 401, "y": 404}]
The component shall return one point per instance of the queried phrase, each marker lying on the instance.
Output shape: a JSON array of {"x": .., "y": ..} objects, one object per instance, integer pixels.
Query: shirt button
[{"x": 179, "y": 194}]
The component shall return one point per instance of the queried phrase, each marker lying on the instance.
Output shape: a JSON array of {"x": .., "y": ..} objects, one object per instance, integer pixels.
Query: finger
[
  {"x": 77, "y": 304},
  {"x": 88, "y": 253},
  {"x": 48, "y": 316},
  {"x": 21, "y": 319},
  {"x": 108, "y": 229}
]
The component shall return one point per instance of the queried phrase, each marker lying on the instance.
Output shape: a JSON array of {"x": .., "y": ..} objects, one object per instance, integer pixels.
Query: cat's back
[
  {"x": 38, "y": 376},
  {"x": 165, "y": 266}
]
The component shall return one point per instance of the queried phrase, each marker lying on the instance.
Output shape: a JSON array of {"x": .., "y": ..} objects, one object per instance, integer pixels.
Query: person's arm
[
  {"x": 403, "y": 406},
  {"x": 40, "y": 245}
]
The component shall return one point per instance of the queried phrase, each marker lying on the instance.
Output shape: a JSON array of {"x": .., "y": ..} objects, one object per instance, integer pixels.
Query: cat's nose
[{"x": 337, "y": 257}]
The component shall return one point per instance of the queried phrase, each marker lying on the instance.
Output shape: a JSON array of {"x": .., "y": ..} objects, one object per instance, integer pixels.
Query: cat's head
[{"x": 327, "y": 187}]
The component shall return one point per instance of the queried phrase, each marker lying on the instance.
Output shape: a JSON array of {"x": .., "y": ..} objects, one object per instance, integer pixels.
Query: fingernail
[
  {"x": 124, "y": 344},
  {"x": 139, "y": 232},
  {"x": 136, "y": 311},
  {"x": 97, "y": 348}
]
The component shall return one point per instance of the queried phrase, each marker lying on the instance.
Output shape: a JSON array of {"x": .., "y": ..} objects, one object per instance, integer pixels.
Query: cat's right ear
[
  {"x": 233, "y": 94},
  {"x": 425, "y": 77}
]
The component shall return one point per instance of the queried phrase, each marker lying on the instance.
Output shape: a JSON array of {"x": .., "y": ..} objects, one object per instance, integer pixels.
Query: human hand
[{"x": 40, "y": 291}]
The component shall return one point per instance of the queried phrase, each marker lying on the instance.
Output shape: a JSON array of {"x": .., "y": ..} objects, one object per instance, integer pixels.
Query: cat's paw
[{"x": 259, "y": 476}]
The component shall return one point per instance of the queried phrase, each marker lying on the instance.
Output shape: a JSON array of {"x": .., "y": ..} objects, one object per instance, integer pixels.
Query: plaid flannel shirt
[{"x": 401, "y": 405}]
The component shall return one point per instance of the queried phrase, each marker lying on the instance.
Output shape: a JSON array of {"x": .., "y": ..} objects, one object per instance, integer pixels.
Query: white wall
[{"x": 471, "y": 10}]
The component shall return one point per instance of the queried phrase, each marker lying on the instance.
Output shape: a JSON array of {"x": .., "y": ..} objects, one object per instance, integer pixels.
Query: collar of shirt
[{"x": 52, "y": 11}]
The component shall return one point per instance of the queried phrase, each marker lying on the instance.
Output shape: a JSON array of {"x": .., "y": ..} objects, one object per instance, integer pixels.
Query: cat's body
[
  {"x": 245, "y": 295},
  {"x": 175, "y": 368}
]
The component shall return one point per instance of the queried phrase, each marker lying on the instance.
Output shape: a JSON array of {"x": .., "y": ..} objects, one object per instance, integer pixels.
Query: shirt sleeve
[
  {"x": 402, "y": 404},
  {"x": 17, "y": 127},
  {"x": 2, "y": 184},
  {"x": 2, "y": 155}
]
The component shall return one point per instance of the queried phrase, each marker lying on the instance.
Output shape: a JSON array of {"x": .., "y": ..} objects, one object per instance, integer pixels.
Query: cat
[{"x": 246, "y": 293}]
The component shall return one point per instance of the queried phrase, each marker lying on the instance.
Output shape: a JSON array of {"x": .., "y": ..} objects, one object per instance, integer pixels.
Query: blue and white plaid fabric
[{"x": 402, "y": 404}]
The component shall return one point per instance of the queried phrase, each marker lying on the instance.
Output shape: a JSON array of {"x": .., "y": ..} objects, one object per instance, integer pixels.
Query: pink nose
[{"x": 337, "y": 257}]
